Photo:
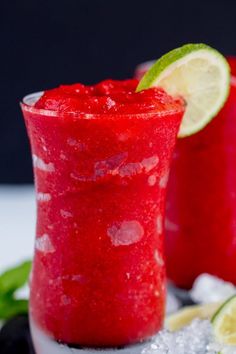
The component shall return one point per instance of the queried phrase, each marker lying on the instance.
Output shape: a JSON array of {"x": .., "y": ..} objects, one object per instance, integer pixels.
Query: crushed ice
[
  {"x": 196, "y": 338},
  {"x": 192, "y": 339}
]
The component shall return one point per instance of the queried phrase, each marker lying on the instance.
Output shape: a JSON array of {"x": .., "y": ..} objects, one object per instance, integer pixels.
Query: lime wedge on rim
[
  {"x": 198, "y": 73},
  {"x": 224, "y": 322}
]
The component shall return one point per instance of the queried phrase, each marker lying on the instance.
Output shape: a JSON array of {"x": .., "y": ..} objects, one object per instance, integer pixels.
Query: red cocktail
[
  {"x": 101, "y": 159},
  {"x": 201, "y": 199},
  {"x": 201, "y": 206}
]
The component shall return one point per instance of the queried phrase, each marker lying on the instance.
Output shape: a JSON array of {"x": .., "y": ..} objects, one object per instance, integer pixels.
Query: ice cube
[
  {"x": 150, "y": 162},
  {"x": 208, "y": 288},
  {"x": 110, "y": 103},
  {"x": 44, "y": 244},
  {"x": 109, "y": 165},
  {"x": 171, "y": 226},
  {"x": 125, "y": 233},
  {"x": 78, "y": 145},
  {"x": 158, "y": 258},
  {"x": 152, "y": 180},
  {"x": 42, "y": 165},
  {"x": 123, "y": 136},
  {"x": 159, "y": 224},
  {"x": 163, "y": 180},
  {"x": 130, "y": 169},
  {"x": 66, "y": 214},
  {"x": 65, "y": 300},
  {"x": 43, "y": 197}
]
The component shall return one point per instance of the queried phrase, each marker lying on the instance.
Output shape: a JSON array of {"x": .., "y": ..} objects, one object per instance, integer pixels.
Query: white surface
[{"x": 17, "y": 224}]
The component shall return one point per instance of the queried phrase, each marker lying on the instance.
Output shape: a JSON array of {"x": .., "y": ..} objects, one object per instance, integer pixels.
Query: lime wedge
[
  {"x": 224, "y": 322},
  {"x": 185, "y": 316},
  {"x": 198, "y": 73}
]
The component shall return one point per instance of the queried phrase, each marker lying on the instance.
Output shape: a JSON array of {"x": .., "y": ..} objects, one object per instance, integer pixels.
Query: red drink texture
[
  {"x": 201, "y": 199},
  {"x": 101, "y": 160}
]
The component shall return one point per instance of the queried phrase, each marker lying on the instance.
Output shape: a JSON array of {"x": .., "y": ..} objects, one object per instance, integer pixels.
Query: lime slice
[
  {"x": 224, "y": 322},
  {"x": 187, "y": 314},
  {"x": 198, "y": 73}
]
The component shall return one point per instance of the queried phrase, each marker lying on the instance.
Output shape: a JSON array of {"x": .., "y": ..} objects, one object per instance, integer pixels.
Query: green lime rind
[
  {"x": 164, "y": 67},
  {"x": 171, "y": 57},
  {"x": 224, "y": 323},
  {"x": 167, "y": 59},
  {"x": 223, "y": 307},
  {"x": 10, "y": 281}
]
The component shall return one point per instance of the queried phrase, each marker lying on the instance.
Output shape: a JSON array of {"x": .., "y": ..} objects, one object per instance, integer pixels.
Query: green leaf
[
  {"x": 14, "y": 278},
  {"x": 10, "y": 307}
]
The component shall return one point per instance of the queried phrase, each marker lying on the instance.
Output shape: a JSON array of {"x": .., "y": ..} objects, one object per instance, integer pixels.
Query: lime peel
[
  {"x": 187, "y": 314},
  {"x": 198, "y": 73},
  {"x": 224, "y": 322}
]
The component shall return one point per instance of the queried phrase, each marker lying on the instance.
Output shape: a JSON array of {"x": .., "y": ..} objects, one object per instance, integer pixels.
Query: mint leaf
[
  {"x": 10, "y": 307},
  {"x": 14, "y": 278}
]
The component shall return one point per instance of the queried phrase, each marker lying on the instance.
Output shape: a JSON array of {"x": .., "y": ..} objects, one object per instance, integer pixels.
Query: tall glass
[
  {"x": 201, "y": 207},
  {"x": 98, "y": 276},
  {"x": 201, "y": 198}
]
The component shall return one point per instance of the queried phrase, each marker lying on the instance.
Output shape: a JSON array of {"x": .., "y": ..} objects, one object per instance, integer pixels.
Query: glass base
[{"x": 45, "y": 345}]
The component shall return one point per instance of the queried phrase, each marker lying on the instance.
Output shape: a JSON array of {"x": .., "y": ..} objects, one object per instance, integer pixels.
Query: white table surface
[{"x": 17, "y": 224}]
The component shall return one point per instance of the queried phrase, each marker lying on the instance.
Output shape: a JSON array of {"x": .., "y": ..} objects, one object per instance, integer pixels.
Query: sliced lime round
[
  {"x": 198, "y": 73},
  {"x": 186, "y": 315},
  {"x": 224, "y": 322}
]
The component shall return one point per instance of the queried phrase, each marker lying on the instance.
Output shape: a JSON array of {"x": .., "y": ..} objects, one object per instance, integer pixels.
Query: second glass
[{"x": 201, "y": 198}]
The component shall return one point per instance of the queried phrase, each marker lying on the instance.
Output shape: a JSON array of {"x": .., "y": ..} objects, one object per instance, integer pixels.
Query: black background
[{"x": 47, "y": 42}]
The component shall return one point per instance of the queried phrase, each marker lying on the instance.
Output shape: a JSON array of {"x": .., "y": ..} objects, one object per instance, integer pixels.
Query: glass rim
[{"x": 27, "y": 105}]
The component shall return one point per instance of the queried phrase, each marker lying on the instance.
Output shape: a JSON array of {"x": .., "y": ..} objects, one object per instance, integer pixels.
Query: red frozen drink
[{"x": 101, "y": 159}]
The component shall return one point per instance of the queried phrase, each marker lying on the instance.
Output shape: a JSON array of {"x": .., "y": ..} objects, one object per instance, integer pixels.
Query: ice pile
[
  {"x": 220, "y": 349},
  {"x": 197, "y": 338},
  {"x": 193, "y": 339},
  {"x": 208, "y": 288}
]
